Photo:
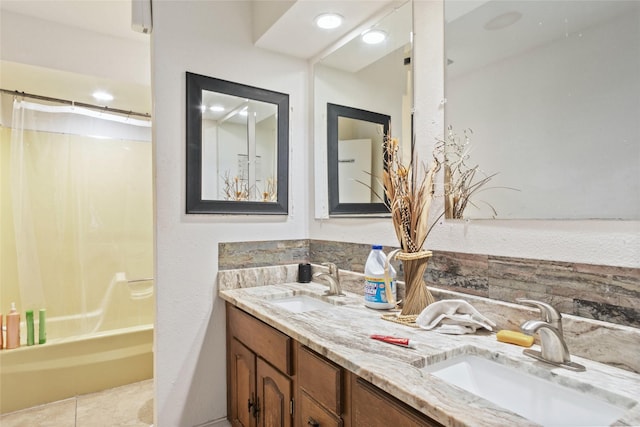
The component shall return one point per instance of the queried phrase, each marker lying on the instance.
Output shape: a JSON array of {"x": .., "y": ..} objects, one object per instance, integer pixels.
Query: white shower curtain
[{"x": 81, "y": 208}]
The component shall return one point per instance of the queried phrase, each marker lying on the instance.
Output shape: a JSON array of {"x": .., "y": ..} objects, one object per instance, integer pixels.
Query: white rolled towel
[{"x": 453, "y": 316}]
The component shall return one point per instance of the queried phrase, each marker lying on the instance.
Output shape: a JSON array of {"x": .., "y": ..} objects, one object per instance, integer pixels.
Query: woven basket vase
[{"x": 417, "y": 296}]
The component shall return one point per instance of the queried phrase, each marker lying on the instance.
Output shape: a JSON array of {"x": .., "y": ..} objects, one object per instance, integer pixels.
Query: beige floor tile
[
  {"x": 57, "y": 414},
  {"x": 130, "y": 405}
]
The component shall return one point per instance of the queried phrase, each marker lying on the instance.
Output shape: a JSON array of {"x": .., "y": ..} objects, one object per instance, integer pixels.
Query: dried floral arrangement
[{"x": 409, "y": 198}]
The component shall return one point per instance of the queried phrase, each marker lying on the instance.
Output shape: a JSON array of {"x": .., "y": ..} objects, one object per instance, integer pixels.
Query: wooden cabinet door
[
  {"x": 242, "y": 385},
  {"x": 274, "y": 396}
]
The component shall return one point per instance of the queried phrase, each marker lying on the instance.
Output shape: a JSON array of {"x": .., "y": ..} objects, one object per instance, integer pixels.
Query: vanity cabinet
[
  {"x": 272, "y": 380},
  {"x": 259, "y": 369},
  {"x": 373, "y": 407},
  {"x": 320, "y": 390}
]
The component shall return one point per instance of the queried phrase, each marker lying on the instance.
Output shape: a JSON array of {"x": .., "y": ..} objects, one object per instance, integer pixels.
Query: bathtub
[{"x": 68, "y": 367}]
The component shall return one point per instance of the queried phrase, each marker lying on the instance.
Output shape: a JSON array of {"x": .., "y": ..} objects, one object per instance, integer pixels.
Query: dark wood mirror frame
[
  {"x": 195, "y": 84},
  {"x": 333, "y": 113}
]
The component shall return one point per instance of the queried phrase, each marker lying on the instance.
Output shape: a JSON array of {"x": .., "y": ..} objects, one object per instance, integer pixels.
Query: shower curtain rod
[{"x": 73, "y": 103}]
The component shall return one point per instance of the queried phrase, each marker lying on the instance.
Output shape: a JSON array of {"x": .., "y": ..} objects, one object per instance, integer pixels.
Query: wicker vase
[{"x": 417, "y": 296}]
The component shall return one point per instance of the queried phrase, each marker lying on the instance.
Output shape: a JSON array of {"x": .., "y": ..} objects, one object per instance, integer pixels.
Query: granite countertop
[{"x": 342, "y": 334}]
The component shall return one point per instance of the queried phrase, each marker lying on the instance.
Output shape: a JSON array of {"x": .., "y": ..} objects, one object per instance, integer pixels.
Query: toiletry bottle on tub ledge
[
  {"x": 13, "y": 328},
  {"x": 375, "y": 288}
]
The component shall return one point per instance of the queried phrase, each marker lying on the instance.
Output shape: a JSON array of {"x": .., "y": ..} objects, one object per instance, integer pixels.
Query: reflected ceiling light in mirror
[
  {"x": 203, "y": 108},
  {"x": 216, "y": 108},
  {"x": 374, "y": 36},
  {"x": 328, "y": 21},
  {"x": 503, "y": 21},
  {"x": 101, "y": 95}
]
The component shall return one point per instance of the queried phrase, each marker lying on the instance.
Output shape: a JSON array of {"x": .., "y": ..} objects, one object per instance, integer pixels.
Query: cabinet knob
[{"x": 313, "y": 423}]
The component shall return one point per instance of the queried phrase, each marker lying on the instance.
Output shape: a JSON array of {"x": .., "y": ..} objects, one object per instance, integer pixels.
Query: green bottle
[
  {"x": 42, "y": 327},
  {"x": 30, "y": 332}
]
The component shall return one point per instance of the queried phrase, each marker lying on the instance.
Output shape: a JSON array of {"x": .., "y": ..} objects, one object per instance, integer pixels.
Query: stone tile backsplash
[
  {"x": 600, "y": 292},
  {"x": 259, "y": 254}
]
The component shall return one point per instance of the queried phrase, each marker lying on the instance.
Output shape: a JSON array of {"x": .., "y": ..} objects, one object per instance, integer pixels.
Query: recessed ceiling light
[
  {"x": 328, "y": 21},
  {"x": 203, "y": 108},
  {"x": 216, "y": 108},
  {"x": 374, "y": 36},
  {"x": 100, "y": 95},
  {"x": 503, "y": 21}
]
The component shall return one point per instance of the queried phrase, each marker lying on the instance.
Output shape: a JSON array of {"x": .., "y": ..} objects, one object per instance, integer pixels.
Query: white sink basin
[
  {"x": 301, "y": 303},
  {"x": 527, "y": 395}
]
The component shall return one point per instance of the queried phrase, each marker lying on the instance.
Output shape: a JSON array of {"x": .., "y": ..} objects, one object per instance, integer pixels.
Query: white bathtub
[{"x": 68, "y": 367}]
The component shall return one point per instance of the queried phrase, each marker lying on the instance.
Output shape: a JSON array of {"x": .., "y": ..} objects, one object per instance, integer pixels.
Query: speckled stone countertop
[{"x": 341, "y": 334}]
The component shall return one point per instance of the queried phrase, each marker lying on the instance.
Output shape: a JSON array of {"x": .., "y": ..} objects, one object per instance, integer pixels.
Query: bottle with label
[
  {"x": 13, "y": 328},
  {"x": 375, "y": 292}
]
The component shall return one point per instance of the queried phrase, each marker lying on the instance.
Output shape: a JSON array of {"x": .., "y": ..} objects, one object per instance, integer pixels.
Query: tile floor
[{"x": 130, "y": 405}]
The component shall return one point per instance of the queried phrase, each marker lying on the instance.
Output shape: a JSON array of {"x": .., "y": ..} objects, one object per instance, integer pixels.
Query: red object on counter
[{"x": 403, "y": 342}]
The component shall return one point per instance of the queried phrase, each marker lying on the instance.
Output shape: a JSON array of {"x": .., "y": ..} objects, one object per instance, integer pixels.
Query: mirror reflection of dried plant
[
  {"x": 269, "y": 194},
  {"x": 234, "y": 188},
  {"x": 237, "y": 189},
  {"x": 462, "y": 180}
]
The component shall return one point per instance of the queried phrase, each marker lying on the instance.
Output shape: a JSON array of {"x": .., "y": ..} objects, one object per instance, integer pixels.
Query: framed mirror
[
  {"x": 368, "y": 78},
  {"x": 355, "y": 154},
  {"x": 237, "y": 148},
  {"x": 551, "y": 91}
]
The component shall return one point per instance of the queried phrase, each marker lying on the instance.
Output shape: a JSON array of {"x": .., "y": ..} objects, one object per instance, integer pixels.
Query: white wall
[
  {"x": 33, "y": 41},
  {"x": 211, "y": 38},
  {"x": 588, "y": 241}
]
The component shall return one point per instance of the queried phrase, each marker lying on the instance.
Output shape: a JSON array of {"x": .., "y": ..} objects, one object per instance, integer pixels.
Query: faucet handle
[
  {"x": 333, "y": 269},
  {"x": 548, "y": 313}
]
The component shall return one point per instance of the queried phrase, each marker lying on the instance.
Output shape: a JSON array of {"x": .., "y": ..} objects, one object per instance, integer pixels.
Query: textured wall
[{"x": 607, "y": 293}]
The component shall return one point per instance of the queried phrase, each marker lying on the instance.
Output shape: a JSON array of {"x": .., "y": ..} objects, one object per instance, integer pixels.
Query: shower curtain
[{"x": 76, "y": 216}]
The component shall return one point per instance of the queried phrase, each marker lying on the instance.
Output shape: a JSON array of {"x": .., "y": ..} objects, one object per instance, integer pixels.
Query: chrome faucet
[
  {"x": 553, "y": 348},
  {"x": 548, "y": 313},
  {"x": 333, "y": 277}
]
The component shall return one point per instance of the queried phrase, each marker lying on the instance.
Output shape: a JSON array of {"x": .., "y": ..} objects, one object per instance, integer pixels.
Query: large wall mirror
[
  {"x": 374, "y": 78},
  {"x": 551, "y": 91},
  {"x": 237, "y": 148},
  {"x": 356, "y": 159}
]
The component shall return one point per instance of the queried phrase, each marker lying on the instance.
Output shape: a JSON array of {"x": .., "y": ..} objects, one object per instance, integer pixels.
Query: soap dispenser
[{"x": 13, "y": 328}]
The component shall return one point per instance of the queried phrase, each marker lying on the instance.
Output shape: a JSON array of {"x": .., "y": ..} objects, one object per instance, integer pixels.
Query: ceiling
[
  {"x": 293, "y": 32},
  {"x": 471, "y": 45},
  {"x": 106, "y": 17},
  {"x": 110, "y": 17},
  {"x": 283, "y": 26}
]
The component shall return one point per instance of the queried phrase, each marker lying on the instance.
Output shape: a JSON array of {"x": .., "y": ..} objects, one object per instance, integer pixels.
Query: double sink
[{"x": 527, "y": 388}]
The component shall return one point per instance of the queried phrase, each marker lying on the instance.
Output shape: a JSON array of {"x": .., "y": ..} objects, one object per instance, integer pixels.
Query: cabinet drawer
[
  {"x": 313, "y": 415},
  {"x": 267, "y": 342},
  {"x": 320, "y": 378},
  {"x": 373, "y": 407}
]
